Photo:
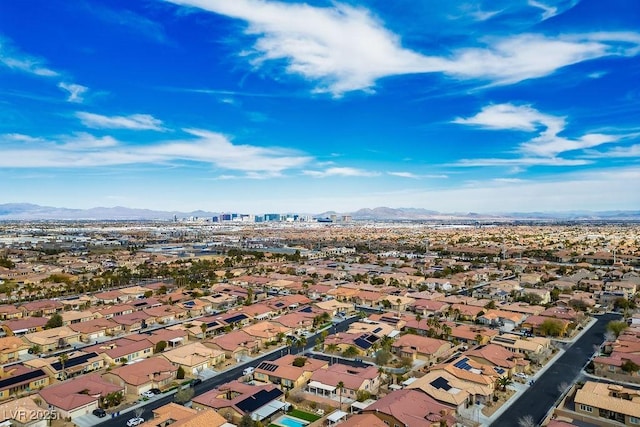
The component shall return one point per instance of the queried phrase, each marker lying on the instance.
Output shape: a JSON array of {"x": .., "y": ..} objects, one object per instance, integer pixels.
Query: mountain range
[{"x": 32, "y": 212}]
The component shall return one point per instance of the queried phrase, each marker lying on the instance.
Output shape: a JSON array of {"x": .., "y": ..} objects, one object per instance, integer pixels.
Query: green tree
[
  {"x": 180, "y": 374},
  {"x": 629, "y": 366},
  {"x": 184, "y": 395},
  {"x": 54, "y": 321},
  {"x": 203, "y": 328},
  {"x": 340, "y": 387},
  {"x": 491, "y": 305},
  {"x": 362, "y": 395},
  {"x": 503, "y": 382},
  {"x": 247, "y": 421},
  {"x": 299, "y": 361},
  {"x": 351, "y": 351},
  {"x": 63, "y": 359},
  {"x": 551, "y": 327},
  {"x": 616, "y": 327},
  {"x": 160, "y": 346},
  {"x": 383, "y": 357}
]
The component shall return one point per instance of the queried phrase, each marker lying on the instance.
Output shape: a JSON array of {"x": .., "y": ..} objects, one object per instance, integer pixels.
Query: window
[
  {"x": 612, "y": 368},
  {"x": 586, "y": 408},
  {"x": 634, "y": 420}
]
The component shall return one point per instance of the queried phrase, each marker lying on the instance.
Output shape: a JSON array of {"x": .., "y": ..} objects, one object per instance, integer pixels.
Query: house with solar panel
[
  {"x": 284, "y": 372},
  {"x": 235, "y": 399},
  {"x": 19, "y": 379},
  {"x": 430, "y": 350},
  {"x": 79, "y": 363},
  {"x": 460, "y": 383}
]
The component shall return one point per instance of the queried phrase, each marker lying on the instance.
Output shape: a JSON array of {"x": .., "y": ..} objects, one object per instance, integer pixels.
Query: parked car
[
  {"x": 156, "y": 391},
  {"x": 196, "y": 382},
  {"x": 148, "y": 394},
  {"x": 248, "y": 371},
  {"x": 99, "y": 412},
  {"x": 134, "y": 421},
  {"x": 521, "y": 375}
]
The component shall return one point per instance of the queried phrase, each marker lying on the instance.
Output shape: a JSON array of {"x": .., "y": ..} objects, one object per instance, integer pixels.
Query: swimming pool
[{"x": 287, "y": 421}]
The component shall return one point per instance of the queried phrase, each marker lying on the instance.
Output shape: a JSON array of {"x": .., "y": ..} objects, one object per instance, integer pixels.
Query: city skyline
[{"x": 258, "y": 106}]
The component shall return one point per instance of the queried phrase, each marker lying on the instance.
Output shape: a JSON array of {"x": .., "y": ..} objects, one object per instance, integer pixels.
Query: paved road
[
  {"x": 539, "y": 398},
  {"x": 221, "y": 378}
]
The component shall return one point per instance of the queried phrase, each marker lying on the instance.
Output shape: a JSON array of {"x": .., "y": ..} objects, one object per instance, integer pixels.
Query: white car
[
  {"x": 521, "y": 375},
  {"x": 148, "y": 394},
  {"x": 135, "y": 421}
]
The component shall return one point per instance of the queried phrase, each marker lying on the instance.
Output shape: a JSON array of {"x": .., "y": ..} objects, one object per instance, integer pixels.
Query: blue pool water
[{"x": 287, "y": 421}]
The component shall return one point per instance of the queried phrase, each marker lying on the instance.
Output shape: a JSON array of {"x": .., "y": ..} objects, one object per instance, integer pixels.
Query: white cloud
[
  {"x": 522, "y": 161},
  {"x": 340, "y": 171},
  {"x": 404, "y": 175},
  {"x": 132, "y": 122},
  {"x": 75, "y": 91},
  {"x": 86, "y": 150},
  {"x": 547, "y": 11},
  {"x": 412, "y": 175},
  {"x": 344, "y": 48},
  {"x": 548, "y": 144},
  {"x": 15, "y": 60},
  {"x": 616, "y": 152}
]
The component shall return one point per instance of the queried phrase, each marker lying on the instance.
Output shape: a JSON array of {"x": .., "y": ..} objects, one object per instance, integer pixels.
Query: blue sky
[{"x": 291, "y": 106}]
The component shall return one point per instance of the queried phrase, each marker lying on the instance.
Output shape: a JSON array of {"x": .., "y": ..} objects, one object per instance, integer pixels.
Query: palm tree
[
  {"x": 503, "y": 382},
  {"x": 332, "y": 348},
  {"x": 63, "y": 359},
  {"x": 302, "y": 343},
  {"x": 204, "y": 328},
  {"x": 340, "y": 387}
]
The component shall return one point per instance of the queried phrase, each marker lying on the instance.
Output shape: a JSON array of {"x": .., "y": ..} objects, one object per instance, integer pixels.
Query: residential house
[
  {"x": 607, "y": 403},
  {"x": 181, "y": 416},
  {"x": 11, "y": 348},
  {"x": 134, "y": 321},
  {"x": 164, "y": 314},
  {"x": 334, "y": 307},
  {"x": 285, "y": 372},
  {"x": 324, "y": 382},
  {"x": 535, "y": 325},
  {"x": 136, "y": 378},
  {"x": 411, "y": 408},
  {"x": 122, "y": 350},
  {"x": 92, "y": 330},
  {"x": 459, "y": 383},
  {"x": 41, "y": 308},
  {"x": 497, "y": 356},
  {"x": 10, "y": 312},
  {"x": 27, "y": 325},
  {"x": 110, "y": 297},
  {"x": 235, "y": 344},
  {"x": 194, "y": 357},
  {"x": 113, "y": 310},
  {"x": 431, "y": 350},
  {"x": 78, "y": 363},
  {"x": 25, "y": 412},
  {"x": 78, "y": 397},
  {"x": 530, "y": 346},
  {"x": 54, "y": 338},
  {"x": 471, "y": 334},
  {"x": 234, "y": 400},
  {"x": 74, "y": 317},
  {"x": 267, "y": 332},
  {"x": 18, "y": 379}
]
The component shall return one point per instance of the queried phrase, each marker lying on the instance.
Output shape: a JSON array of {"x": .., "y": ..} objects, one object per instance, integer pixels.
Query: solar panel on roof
[
  {"x": 236, "y": 318},
  {"x": 266, "y": 366},
  {"x": 258, "y": 400},
  {"x": 212, "y": 324},
  {"x": 372, "y": 338},
  {"x": 306, "y": 310},
  {"x": 75, "y": 361},
  {"x": 14, "y": 380},
  {"x": 362, "y": 343},
  {"x": 462, "y": 364},
  {"x": 441, "y": 383},
  {"x": 376, "y": 330},
  {"x": 279, "y": 304},
  {"x": 499, "y": 370}
]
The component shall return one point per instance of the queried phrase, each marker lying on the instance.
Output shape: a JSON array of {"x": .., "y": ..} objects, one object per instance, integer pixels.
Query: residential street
[{"x": 542, "y": 395}]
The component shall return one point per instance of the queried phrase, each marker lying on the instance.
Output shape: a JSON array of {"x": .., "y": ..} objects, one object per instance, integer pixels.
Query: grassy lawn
[{"x": 304, "y": 415}]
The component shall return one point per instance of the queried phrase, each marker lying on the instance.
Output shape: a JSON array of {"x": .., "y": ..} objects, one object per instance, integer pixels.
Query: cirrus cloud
[{"x": 344, "y": 48}]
